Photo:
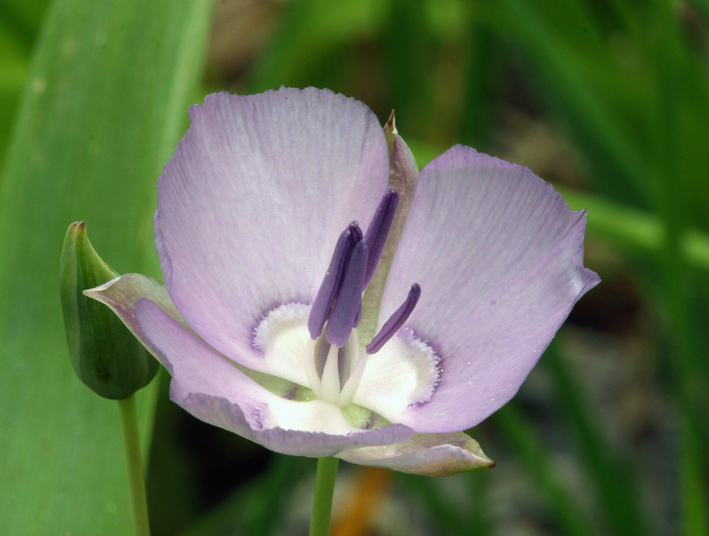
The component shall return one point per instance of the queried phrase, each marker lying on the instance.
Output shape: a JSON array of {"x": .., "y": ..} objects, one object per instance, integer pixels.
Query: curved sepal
[{"x": 425, "y": 454}]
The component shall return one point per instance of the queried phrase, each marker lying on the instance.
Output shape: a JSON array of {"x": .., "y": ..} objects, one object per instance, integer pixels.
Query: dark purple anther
[
  {"x": 357, "y": 233},
  {"x": 332, "y": 282},
  {"x": 358, "y": 318},
  {"x": 349, "y": 299},
  {"x": 396, "y": 320},
  {"x": 378, "y": 230}
]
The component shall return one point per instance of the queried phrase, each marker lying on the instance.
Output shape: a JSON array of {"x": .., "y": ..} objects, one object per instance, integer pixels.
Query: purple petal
[
  {"x": 122, "y": 293},
  {"x": 425, "y": 454},
  {"x": 220, "y": 412},
  {"x": 210, "y": 387},
  {"x": 253, "y": 201},
  {"x": 500, "y": 258}
]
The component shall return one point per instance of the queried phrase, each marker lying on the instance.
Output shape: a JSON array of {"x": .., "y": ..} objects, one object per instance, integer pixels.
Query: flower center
[{"x": 334, "y": 361}]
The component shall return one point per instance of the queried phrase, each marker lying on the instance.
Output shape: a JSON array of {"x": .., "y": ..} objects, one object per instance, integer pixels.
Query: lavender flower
[{"x": 262, "y": 323}]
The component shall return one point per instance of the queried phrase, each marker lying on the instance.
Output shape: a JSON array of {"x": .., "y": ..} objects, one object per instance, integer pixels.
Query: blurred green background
[{"x": 607, "y": 99}]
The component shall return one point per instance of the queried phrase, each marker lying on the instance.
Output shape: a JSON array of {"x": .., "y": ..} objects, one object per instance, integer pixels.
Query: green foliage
[{"x": 105, "y": 102}]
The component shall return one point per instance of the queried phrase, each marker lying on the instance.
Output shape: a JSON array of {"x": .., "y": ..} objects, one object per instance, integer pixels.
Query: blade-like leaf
[{"x": 103, "y": 109}]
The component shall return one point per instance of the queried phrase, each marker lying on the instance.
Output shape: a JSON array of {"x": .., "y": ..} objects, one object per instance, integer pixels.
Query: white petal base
[
  {"x": 209, "y": 386},
  {"x": 403, "y": 373},
  {"x": 282, "y": 336}
]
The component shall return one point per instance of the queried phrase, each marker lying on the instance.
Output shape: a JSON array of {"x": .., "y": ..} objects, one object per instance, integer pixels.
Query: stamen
[
  {"x": 332, "y": 282},
  {"x": 320, "y": 350},
  {"x": 310, "y": 368},
  {"x": 378, "y": 230},
  {"x": 330, "y": 385},
  {"x": 349, "y": 299},
  {"x": 358, "y": 318},
  {"x": 344, "y": 363},
  {"x": 357, "y": 233},
  {"x": 359, "y": 360},
  {"x": 396, "y": 320}
]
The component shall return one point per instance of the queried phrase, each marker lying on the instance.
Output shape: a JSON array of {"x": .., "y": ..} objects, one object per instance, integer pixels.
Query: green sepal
[
  {"x": 105, "y": 354},
  {"x": 403, "y": 177}
]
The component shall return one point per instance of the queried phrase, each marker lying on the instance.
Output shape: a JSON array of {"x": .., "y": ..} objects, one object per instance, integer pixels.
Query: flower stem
[
  {"x": 322, "y": 500},
  {"x": 136, "y": 482}
]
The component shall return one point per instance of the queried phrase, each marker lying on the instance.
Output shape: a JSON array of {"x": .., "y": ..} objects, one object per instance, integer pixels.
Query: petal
[
  {"x": 210, "y": 387},
  {"x": 199, "y": 363},
  {"x": 220, "y": 412},
  {"x": 122, "y": 293},
  {"x": 499, "y": 257},
  {"x": 425, "y": 454},
  {"x": 403, "y": 373},
  {"x": 252, "y": 203}
]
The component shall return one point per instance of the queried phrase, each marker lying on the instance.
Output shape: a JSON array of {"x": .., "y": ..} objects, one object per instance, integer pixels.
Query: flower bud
[{"x": 105, "y": 355}]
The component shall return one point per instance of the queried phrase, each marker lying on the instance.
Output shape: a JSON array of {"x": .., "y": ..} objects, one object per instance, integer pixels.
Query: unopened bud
[{"x": 105, "y": 354}]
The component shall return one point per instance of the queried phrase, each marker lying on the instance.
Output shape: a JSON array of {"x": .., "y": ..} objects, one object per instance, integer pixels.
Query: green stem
[
  {"x": 322, "y": 500},
  {"x": 136, "y": 482}
]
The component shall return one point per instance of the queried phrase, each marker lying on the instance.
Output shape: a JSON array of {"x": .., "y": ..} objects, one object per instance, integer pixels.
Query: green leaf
[
  {"x": 104, "y": 107},
  {"x": 22, "y": 18}
]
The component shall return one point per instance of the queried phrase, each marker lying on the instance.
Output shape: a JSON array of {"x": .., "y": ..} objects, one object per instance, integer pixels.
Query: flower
[{"x": 263, "y": 328}]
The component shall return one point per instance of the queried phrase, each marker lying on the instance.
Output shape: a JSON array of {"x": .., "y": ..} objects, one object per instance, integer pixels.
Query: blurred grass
[
  {"x": 101, "y": 109},
  {"x": 623, "y": 86}
]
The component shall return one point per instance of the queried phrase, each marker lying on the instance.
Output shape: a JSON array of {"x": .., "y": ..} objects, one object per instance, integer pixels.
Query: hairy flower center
[{"x": 334, "y": 361}]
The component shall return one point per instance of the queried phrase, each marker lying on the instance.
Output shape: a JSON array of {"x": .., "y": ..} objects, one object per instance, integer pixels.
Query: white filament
[
  {"x": 358, "y": 361},
  {"x": 330, "y": 381},
  {"x": 310, "y": 370},
  {"x": 328, "y": 387}
]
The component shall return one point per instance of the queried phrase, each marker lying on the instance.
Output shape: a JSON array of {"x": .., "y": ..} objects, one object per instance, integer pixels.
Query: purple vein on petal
[
  {"x": 396, "y": 321},
  {"x": 378, "y": 230},
  {"x": 332, "y": 282},
  {"x": 349, "y": 300}
]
